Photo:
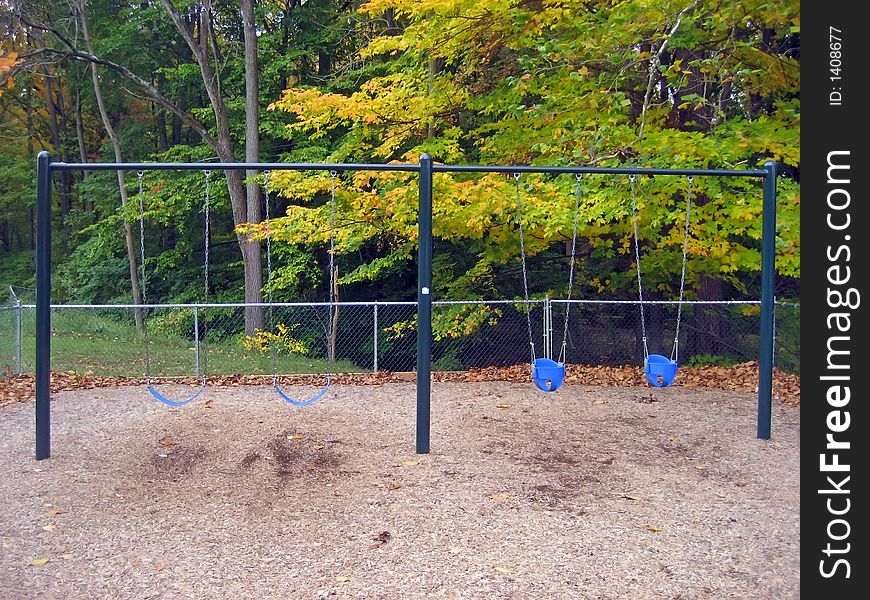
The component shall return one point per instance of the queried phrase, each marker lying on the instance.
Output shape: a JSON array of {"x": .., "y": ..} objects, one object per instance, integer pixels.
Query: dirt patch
[
  {"x": 296, "y": 456},
  {"x": 178, "y": 461}
]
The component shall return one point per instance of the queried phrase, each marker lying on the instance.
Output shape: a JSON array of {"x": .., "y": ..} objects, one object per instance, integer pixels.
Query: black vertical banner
[{"x": 834, "y": 256}]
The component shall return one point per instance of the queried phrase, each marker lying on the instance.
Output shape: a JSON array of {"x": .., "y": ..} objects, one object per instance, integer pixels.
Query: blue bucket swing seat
[
  {"x": 548, "y": 374},
  {"x": 660, "y": 370}
]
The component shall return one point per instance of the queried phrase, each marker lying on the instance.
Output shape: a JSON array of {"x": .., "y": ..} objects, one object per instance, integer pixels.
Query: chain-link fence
[
  {"x": 185, "y": 340},
  {"x": 12, "y": 314}
]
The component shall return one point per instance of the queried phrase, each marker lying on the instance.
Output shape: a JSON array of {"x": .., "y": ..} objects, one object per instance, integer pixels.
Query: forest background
[{"x": 657, "y": 83}]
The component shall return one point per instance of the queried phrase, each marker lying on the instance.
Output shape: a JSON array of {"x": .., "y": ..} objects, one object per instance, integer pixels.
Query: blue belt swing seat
[
  {"x": 332, "y": 284},
  {"x": 548, "y": 374},
  {"x": 143, "y": 278},
  {"x": 660, "y": 370}
]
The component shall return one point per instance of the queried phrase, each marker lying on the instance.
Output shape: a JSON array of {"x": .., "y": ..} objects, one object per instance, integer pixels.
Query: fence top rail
[
  {"x": 722, "y": 302},
  {"x": 405, "y": 167},
  {"x": 226, "y": 305},
  {"x": 390, "y": 303}
]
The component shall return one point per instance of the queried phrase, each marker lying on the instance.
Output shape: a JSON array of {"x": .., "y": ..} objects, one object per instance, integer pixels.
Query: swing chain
[
  {"x": 143, "y": 278},
  {"x": 523, "y": 259},
  {"x": 577, "y": 195},
  {"x": 632, "y": 178},
  {"x": 333, "y": 282},
  {"x": 206, "y": 243},
  {"x": 270, "y": 311},
  {"x": 675, "y": 353}
]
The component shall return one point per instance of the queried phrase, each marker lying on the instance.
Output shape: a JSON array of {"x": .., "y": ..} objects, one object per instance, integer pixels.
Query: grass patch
[{"x": 89, "y": 343}]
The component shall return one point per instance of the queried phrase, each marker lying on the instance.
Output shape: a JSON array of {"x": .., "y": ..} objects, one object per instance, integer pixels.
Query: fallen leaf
[
  {"x": 56, "y": 511},
  {"x": 342, "y": 578},
  {"x": 628, "y": 497},
  {"x": 600, "y": 402},
  {"x": 38, "y": 562},
  {"x": 168, "y": 442},
  {"x": 393, "y": 485},
  {"x": 503, "y": 570},
  {"x": 741, "y": 483},
  {"x": 383, "y": 537},
  {"x": 206, "y": 404},
  {"x": 296, "y": 437},
  {"x": 653, "y": 528},
  {"x": 318, "y": 446},
  {"x": 502, "y": 405}
]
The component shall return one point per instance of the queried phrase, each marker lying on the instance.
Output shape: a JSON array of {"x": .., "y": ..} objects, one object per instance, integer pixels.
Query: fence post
[
  {"x": 196, "y": 337},
  {"x": 19, "y": 368},
  {"x": 375, "y": 337}
]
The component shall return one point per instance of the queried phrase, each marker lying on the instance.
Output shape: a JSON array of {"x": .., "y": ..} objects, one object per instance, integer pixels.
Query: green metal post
[
  {"x": 43, "y": 306},
  {"x": 424, "y": 304},
  {"x": 768, "y": 274}
]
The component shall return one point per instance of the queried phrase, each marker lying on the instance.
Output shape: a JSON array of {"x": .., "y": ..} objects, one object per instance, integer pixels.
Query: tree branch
[
  {"x": 76, "y": 54},
  {"x": 153, "y": 93},
  {"x": 654, "y": 70}
]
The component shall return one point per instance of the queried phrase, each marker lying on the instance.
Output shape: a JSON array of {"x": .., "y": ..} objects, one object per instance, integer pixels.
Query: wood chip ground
[{"x": 588, "y": 493}]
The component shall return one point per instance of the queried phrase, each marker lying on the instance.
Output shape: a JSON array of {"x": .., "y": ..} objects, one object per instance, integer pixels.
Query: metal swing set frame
[{"x": 425, "y": 168}]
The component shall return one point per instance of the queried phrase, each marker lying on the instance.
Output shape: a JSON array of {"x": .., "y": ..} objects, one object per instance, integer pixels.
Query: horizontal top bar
[
  {"x": 597, "y": 170},
  {"x": 405, "y": 167},
  {"x": 390, "y": 303},
  {"x": 205, "y": 166}
]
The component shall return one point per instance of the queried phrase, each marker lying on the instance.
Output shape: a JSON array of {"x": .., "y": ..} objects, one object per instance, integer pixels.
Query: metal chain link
[
  {"x": 270, "y": 311},
  {"x": 675, "y": 352},
  {"x": 143, "y": 278},
  {"x": 333, "y": 282},
  {"x": 577, "y": 194},
  {"x": 632, "y": 178},
  {"x": 203, "y": 341},
  {"x": 523, "y": 258}
]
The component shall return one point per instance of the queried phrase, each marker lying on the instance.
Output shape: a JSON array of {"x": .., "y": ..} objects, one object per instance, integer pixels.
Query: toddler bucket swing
[
  {"x": 660, "y": 371},
  {"x": 548, "y": 374}
]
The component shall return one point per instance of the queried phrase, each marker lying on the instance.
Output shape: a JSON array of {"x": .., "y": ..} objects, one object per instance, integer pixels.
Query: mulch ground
[
  {"x": 590, "y": 493},
  {"x": 738, "y": 378}
]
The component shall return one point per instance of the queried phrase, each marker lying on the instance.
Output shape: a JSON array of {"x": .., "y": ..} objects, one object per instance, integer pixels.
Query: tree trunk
[
  {"x": 122, "y": 189},
  {"x": 87, "y": 203},
  {"x": 54, "y": 132},
  {"x": 252, "y": 155},
  {"x": 245, "y": 209},
  {"x": 707, "y": 324}
]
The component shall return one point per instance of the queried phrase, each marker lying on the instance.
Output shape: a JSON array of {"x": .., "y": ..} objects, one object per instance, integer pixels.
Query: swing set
[{"x": 547, "y": 374}]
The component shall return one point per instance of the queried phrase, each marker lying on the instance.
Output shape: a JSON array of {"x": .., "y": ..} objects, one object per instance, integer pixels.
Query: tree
[
  {"x": 660, "y": 84},
  {"x": 116, "y": 149},
  {"x": 197, "y": 32}
]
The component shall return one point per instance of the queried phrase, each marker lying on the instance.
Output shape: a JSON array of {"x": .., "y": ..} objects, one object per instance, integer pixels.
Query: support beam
[
  {"x": 768, "y": 275},
  {"x": 424, "y": 304},
  {"x": 43, "y": 305}
]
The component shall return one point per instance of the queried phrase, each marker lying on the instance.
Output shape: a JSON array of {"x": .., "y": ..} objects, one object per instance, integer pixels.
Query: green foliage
[
  {"x": 556, "y": 82},
  {"x": 711, "y": 360},
  {"x": 563, "y": 83},
  {"x": 17, "y": 268}
]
